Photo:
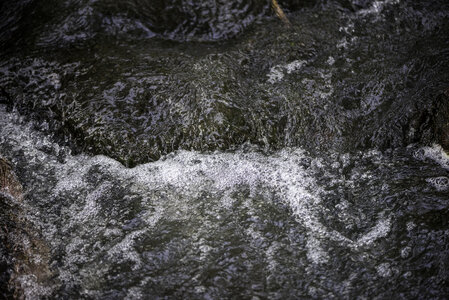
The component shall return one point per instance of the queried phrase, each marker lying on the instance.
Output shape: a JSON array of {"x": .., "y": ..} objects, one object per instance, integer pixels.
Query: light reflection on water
[
  {"x": 302, "y": 185},
  {"x": 228, "y": 224}
]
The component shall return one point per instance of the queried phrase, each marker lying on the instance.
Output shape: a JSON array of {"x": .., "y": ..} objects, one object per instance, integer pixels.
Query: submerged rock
[
  {"x": 24, "y": 256},
  {"x": 292, "y": 224},
  {"x": 235, "y": 225},
  {"x": 56, "y": 23},
  {"x": 9, "y": 184},
  {"x": 334, "y": 80},
  {"x": 441, "y": 124}
]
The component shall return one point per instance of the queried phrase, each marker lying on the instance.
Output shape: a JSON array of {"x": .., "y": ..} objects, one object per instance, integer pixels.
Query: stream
[{"x": 206, "y": 150}]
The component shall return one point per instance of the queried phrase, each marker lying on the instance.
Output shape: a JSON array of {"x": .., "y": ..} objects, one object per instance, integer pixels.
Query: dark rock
[
  {"x": 23, "y": 253},
  {"x": 441, "y": 123},
  {"x": 60, "y": 23},
  {"x": 325, "y": 83}
]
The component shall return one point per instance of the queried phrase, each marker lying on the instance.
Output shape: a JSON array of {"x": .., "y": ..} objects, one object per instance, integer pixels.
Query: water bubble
[
  {"x": 405, "y": 252},
  {"x": 384, "y": 270},
  {"x": 440, "y": 183},
  {"x": 277, "y": 72},
  {"x": 435, "y": 153},
  {"x": 410, "y": 225}
]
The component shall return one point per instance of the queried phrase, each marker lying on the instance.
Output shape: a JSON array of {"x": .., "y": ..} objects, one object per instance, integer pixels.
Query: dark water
[
  {"x": 334, "y": 80},
  {"x": 267, "y": 161}
]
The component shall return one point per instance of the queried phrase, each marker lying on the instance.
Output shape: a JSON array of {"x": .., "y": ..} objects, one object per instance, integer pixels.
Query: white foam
[
  {"x": 380, "y": 230},
  {"x": 91, "y": 209},
  {"x": 185, "y": 173},
  {"x": 32, "y": 289},
  {"x": 376, "y": 7},
  {"x": 435, "y": 153},
  {"x": 439, "y": 183},
  {"x": 277, "y": 72},
  {"x": 405, "y": 252},
  {"x": 294, "y": 66},
  {"x": 410, "y": 225},
  {"x": 272, "y": 255},
  {"x": 168, "y": 188},
  {"x": 384, "y": 270},
  {"x": 135, "y": 293},
  {"x": 125, "y": 251},
  {"x": 315, "y": 252}
]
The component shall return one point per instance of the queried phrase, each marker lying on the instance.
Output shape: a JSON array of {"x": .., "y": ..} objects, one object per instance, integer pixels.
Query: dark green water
[{"x": 267, "y": 161}]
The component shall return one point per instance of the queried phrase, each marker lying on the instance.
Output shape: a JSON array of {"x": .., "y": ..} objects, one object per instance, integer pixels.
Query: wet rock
[
  {"x": 331, "y": 81},
  {"x": 61, "y": 23},
  {"x": 431, "y": 125},
  {"x": 441, "y": 126},
  {"x": 24, "y": 256},
  {"x": 9, "y": 184}
]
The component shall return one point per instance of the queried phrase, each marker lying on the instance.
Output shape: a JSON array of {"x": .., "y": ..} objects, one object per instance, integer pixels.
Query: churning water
[
  {"x": 299, "y": 164},
  {"x": 236, "y": 224}
]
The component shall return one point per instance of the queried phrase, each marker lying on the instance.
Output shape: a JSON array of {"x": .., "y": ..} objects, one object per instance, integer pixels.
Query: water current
[{"x": 223, "y": 155}]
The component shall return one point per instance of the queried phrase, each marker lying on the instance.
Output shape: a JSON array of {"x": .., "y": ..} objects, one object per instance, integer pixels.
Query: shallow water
[
  {"x": 237, "y": 224},
  {"x": 267, "y": 162},
  {"x": 334, "y": 80}
]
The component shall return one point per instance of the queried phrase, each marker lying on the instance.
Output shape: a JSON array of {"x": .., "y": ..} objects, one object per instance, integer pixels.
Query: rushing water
[
  {"x": 220, "y": 154},
  {"x": 237, "y": 224},
  {"x": 334, "y": 80}
]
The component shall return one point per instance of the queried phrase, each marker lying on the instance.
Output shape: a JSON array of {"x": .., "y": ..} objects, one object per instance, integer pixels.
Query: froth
[
  {"x": 440, "y": 183},
  {"x": 277, "y": 72},
  {"x": 92, "y": 219},
  {"x": 435, "y": 153}
]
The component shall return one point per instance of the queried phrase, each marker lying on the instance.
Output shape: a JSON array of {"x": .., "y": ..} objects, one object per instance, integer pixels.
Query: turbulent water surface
[{"x": 202, "y": 149}]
